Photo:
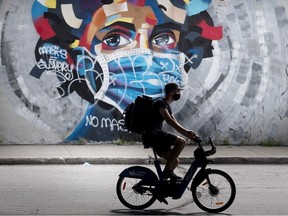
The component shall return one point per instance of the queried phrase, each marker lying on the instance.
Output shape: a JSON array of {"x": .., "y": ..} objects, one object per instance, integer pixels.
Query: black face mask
[{"x": 176, "y": 97}]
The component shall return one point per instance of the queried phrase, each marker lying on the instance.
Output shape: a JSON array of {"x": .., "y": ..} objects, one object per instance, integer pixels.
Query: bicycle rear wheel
[
  {"x": 135, "y": 193},
  {"x": 219, "y": 196}
]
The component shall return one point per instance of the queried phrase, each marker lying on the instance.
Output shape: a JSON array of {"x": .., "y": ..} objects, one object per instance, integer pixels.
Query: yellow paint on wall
[
  {"x": 74, "y": 44},
  {"x": 119, "y": 1},
  {"x": 121, "y": 19},
  {"x": 48, "y": 3}
]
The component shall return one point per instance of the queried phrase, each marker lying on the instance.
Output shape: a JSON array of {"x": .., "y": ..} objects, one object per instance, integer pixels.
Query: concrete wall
[{"x": 237, "y": 94}]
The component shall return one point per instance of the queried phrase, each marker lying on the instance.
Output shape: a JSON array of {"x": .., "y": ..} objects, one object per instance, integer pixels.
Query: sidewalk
[{"x": 132, "y": 154}]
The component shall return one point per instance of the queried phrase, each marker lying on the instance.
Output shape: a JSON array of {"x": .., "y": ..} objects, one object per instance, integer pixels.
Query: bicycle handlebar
[{"x": 209, "y": 152}]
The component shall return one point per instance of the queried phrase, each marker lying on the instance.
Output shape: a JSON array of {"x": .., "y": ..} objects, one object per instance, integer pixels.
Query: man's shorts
[{"x": 161, "y": 141}]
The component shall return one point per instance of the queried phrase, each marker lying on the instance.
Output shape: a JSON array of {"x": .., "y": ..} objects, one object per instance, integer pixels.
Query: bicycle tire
[
  {"x": 218, "y": 200},
  {"x": 133, "y": 198}
]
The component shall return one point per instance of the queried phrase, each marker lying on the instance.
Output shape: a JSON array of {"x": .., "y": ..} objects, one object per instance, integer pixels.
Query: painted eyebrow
[
  {"x": 168, "y": 25},
  {"x": 125, "y": 25},
  {"x": 164, "y": 27}
]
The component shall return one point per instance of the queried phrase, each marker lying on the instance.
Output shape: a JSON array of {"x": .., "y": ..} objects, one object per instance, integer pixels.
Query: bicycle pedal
[{"x": 162, "y": 199}]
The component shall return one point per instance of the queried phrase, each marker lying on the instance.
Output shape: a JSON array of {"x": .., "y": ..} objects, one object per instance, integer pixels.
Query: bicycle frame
[
  {"x": 149, "y": 177},
  {"x": 199, "y": 162}
]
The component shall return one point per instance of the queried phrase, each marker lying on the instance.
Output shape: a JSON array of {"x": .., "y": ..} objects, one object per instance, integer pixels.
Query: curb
[{"x": 183, "y": 160}]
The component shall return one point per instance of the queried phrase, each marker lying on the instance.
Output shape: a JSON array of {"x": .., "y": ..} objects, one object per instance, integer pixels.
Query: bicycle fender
[
  {"x": 200, "y": 176},
  {"x": 139, "y": 172}
]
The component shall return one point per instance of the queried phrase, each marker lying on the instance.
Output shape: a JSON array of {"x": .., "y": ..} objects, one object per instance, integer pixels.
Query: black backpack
[{"x": 137, "y": 115}]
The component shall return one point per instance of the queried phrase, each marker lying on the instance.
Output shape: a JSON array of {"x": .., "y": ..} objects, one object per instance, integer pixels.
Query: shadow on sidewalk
[{"x": 157, "y": 212}]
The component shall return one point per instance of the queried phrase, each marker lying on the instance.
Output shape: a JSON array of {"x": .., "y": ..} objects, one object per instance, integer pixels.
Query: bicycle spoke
[
  {"x": 134, "y": 194},
  {"x": 217, "y": 196}
]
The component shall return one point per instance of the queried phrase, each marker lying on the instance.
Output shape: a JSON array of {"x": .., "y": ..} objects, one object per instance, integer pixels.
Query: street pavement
[{"x": 132, "y": 154}]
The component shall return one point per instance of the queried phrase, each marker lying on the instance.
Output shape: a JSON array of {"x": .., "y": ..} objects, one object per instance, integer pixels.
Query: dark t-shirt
[
  {"x": 156, "y": 117},
  {"x": 154, "y": 136}
]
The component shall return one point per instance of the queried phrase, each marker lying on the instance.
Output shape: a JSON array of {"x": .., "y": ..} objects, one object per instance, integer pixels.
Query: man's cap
[{"x": 171, "y": 86}]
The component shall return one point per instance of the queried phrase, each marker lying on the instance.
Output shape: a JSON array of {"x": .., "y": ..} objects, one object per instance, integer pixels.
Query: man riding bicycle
[{"x": 163, "y": 141}]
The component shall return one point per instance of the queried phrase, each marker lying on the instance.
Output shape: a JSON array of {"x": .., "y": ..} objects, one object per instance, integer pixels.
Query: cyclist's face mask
[
  {"x": 127, "y": 74},
  {"x": 176, "y": 96}
]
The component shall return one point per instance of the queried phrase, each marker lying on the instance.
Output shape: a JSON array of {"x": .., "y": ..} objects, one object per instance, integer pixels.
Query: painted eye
[
  {"x": 164, "y": 39},
  {"x": 115, "y": 39}
]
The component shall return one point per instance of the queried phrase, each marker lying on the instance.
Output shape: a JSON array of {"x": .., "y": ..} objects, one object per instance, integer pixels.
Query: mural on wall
[
  {"x": 109, "y": 52},
  {"x": 70, "y": 67}
]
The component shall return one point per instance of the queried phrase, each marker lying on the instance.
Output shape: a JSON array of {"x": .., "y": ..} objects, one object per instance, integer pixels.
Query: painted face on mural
[
  {"x": 134, "y": 27},
  {"x": 135, "y": 55}
]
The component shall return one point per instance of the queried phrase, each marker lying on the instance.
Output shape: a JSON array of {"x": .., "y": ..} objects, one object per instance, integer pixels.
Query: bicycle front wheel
[
  {"x": 135, "y": 193},
  {"x": 216, "y": 197}
]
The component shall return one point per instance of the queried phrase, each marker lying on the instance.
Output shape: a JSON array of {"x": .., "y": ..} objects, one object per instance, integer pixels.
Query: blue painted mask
[{"x": 127, "y": 74}]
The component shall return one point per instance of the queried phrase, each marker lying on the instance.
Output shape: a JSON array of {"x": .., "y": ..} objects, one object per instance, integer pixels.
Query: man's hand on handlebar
[{"x": 193, "y": 136}]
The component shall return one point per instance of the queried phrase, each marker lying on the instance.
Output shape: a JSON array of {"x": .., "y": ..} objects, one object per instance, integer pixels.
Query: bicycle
[{"x": 213, "y": 190}]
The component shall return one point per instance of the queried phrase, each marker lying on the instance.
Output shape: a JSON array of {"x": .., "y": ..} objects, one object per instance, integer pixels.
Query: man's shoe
[{"x": 170, "y": 174}]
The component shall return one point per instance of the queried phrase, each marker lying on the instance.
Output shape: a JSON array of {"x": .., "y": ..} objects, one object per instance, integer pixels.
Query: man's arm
[{"x": 171, "y": 120}]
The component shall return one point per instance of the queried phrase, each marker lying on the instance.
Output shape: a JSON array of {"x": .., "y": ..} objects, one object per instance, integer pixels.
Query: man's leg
[
  {"x": 172, "y": 156},
  {"x": 166, "y": 156}
]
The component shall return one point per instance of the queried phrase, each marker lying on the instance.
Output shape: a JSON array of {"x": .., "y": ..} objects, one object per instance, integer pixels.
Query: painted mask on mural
[{"x": 127, "y": 74}]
